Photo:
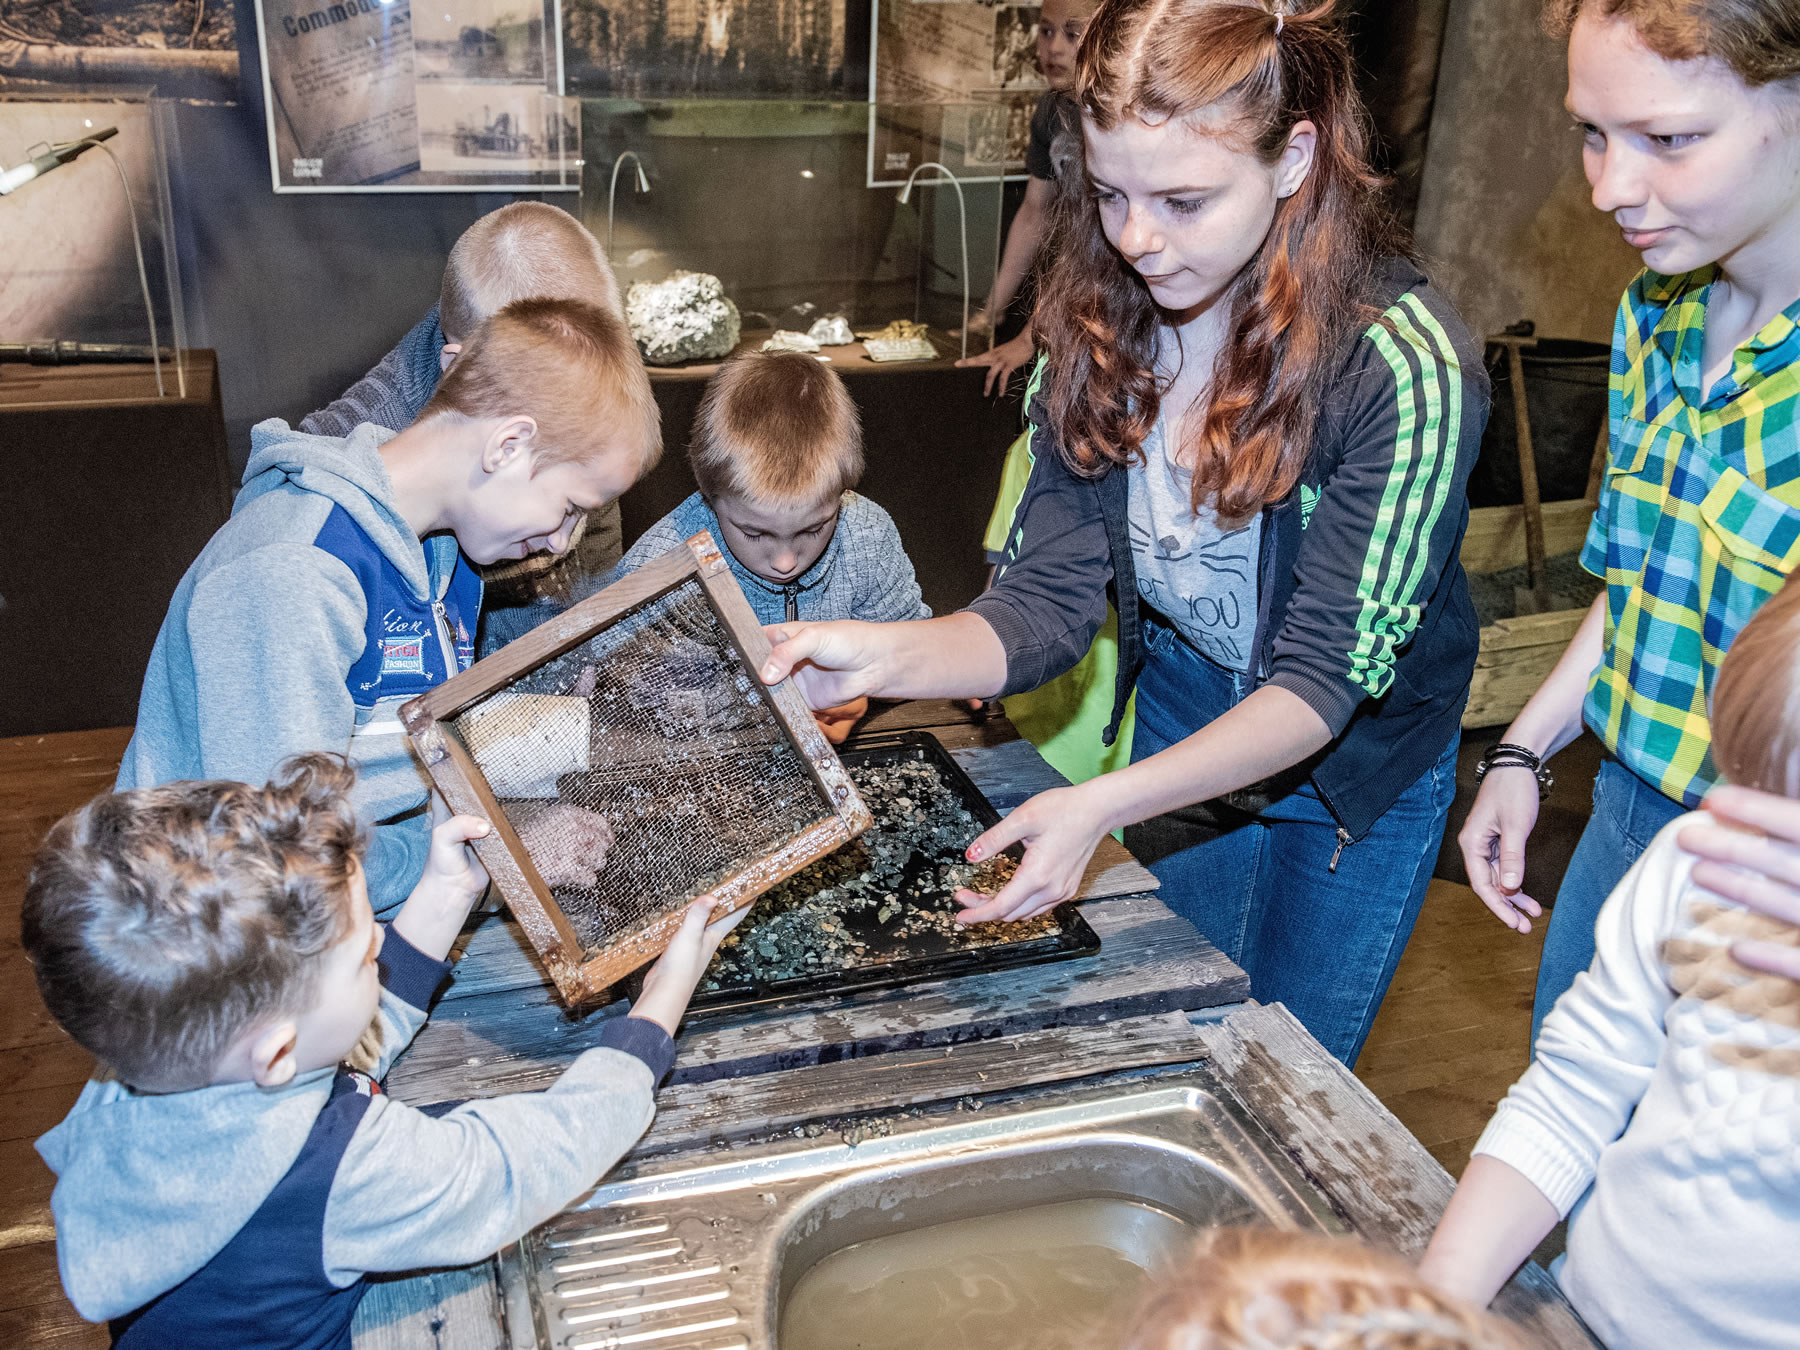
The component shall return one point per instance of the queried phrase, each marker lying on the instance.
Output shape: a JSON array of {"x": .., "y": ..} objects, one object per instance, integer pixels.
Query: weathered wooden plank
[
  {"x": 692, "y": 1114},
  {"x": 1527, "y": 630},
  {"x": 1515, "y": 657},
  {"x": 32, "y": 1277},
  {"x": 1495, "y": 539},
  {"x": 1377, "y": 1174},
  {"x": 1008, "y": 774},
  {"x": 1150, "y": 961},
  {"x": 933, "y": 714},
  {"x": 439, "y": 1310}
]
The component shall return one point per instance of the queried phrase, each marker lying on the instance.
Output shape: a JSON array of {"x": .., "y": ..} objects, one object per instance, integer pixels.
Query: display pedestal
[
  {"x": 933, "y": 445},
  {"x": 114, "y": 492}
]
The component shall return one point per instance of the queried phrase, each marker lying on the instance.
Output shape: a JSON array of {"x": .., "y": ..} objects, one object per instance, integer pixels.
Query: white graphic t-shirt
[{"x": 1199, "y": 577}]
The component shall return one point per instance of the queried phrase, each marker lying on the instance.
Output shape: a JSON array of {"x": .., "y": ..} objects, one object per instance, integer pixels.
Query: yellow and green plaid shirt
[{"x": 1698, "y": 522}]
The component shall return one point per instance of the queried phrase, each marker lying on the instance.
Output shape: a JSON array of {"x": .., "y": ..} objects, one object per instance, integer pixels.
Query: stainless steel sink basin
[{"x": 706, "y": 1256}]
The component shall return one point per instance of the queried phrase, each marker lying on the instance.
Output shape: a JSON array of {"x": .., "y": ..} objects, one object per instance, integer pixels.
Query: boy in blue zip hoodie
[
  {"x": 226, "y": 1182},
  {"x": 522, "y": 250},
  {"x": 777, "y": 447},
  {"x": 342, "y": 585}
]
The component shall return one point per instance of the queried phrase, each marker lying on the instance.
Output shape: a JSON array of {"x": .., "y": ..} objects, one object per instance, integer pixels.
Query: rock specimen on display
[
  {"x": 685, "y": 317},
  {"x": 901, "y": 340},
  {"x": 832, "y": 332},
  {"x": 787, "y": 340}
]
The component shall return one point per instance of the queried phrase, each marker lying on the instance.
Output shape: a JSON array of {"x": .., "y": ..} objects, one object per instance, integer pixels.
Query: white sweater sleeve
[{"x": 1600, "y": 1044}]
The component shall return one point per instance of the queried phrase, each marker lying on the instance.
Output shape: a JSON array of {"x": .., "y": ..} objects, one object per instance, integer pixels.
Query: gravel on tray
[{"x": 861, "y": 905}]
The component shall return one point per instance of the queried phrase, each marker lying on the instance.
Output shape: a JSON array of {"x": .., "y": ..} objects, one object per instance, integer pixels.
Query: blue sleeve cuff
[
  {"x": 407, "y": 973},
  {"x": 642, "y": 1039}
]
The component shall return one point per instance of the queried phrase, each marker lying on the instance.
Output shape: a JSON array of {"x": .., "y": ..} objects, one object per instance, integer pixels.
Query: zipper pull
[
  {"x": 792, "y": 593},
  {"x": 1343, "y": 841}
]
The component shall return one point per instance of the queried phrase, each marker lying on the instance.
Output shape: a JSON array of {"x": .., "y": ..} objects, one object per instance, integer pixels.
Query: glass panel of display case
[
  {"x": 774, "y": 199},
  {"x": 89, "y": 270}
]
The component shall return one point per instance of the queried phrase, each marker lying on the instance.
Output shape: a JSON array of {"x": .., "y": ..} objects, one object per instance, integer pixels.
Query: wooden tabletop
[{"x": 500, "y": 1026}]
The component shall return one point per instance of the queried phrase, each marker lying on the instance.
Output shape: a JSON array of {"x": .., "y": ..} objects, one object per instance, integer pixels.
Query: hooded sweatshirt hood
[
  {"x": 305, "y": 623},
  {"x": 347, "y": 471},
  {"x": 149, "y": 1187}
]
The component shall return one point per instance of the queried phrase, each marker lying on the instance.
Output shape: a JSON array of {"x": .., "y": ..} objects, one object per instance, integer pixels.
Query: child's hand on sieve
[
  {"x": 567, "y": 844},
  {"x": 452, "y": 882},
  {"x": 669, "y": 984}
]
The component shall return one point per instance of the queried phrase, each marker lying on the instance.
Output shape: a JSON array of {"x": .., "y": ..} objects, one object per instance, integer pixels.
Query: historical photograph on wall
[
  {"x": 375, "y": 95},
  {"x": 185, "y": 48},
  {"x": 951, "y": 81},
  {"x": 723, "y": 48}
]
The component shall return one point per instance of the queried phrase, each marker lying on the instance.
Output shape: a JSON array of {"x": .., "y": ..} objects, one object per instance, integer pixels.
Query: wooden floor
[
  {"x": 1453, "y": 1034},
  {"x": 41, "y": 777},
  {"x": 1449, "y": 1040}
]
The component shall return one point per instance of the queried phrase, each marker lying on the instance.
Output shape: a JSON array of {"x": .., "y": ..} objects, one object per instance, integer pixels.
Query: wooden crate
[{"x": 1517, "y": 654}]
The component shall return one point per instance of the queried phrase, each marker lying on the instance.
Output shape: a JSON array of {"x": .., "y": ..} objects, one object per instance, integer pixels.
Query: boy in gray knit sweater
[
  {"x": 226, "y": 1180},
  {"x": 777, "y": 447}
]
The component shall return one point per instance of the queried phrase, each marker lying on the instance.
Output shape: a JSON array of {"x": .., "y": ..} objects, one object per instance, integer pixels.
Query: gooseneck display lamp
[
  {"x": 962, "y": 213},
  {"x": 641, "y": 187}
]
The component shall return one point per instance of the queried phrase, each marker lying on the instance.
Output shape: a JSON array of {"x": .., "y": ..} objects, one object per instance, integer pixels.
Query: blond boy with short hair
[
  {"x": 777, "y": 447},
  {"x": 343, "y": 583},
  {"x": 518, "y": 252}
]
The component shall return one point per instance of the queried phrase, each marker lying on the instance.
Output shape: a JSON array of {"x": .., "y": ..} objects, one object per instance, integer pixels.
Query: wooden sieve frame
[{"x": 583, "y": 979}]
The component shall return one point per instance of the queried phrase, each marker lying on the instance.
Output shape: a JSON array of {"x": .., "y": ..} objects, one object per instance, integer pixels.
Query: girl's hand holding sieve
[{"x": 831, "y": 663}]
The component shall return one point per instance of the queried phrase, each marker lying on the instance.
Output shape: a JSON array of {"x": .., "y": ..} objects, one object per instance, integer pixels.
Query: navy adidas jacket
[{"x": 1362, "y": 607}]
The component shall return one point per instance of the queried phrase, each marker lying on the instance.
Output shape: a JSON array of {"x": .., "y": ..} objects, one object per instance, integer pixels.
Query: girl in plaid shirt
[{"x": 1691, "y": 133}]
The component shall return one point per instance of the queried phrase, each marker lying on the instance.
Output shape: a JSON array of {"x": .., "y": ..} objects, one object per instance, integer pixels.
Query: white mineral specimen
[
  {"x": 787, "y": 340},
  {"x": 832, "y": 332},
  {"x": 685, "y": 317}
]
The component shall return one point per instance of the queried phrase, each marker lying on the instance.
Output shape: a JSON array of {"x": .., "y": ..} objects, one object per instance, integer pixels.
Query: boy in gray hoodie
[
  {"x": 342, "y": 585},
  {"x": 524, "y": 249},
  {"x": 226, "y": 1181}
]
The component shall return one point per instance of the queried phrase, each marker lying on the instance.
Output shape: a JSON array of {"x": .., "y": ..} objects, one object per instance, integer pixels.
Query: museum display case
[
  {"x": 367, "y": 96},
  {"x": 803, "y": 211},
  {"x": 90, "y": 281}
]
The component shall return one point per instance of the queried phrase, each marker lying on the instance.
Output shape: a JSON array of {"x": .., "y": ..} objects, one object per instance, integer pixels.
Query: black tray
[{"x": 892, "y": 961}]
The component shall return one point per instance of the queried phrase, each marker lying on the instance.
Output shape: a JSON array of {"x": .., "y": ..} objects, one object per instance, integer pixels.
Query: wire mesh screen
[{"x": 643, "y": 766}]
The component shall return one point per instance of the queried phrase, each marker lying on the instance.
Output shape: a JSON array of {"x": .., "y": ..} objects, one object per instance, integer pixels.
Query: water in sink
[{"x": 1040, "y": 1278}]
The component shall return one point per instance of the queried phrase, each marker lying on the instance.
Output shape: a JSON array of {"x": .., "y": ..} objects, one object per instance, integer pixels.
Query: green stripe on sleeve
[{"x": 1400, "y": 542}]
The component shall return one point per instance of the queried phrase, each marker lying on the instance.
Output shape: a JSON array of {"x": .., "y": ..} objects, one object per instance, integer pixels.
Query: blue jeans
[
  {"x": 1255, "y": 873},
  {"x": 1628, "y": 812}
]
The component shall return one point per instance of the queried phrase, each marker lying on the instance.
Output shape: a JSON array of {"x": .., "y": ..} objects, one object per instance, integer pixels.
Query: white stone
[
  {"x": 787, "y": 340},
  {"x": 685, "y": 317},
  {"x": 832, "y": 332}
]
